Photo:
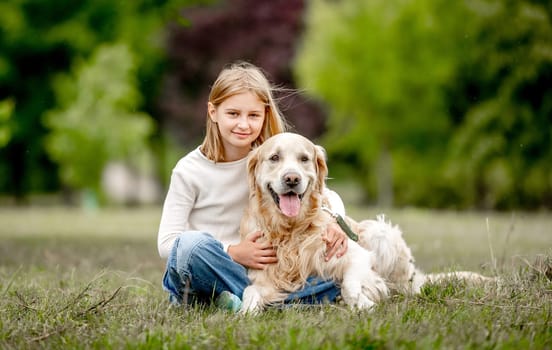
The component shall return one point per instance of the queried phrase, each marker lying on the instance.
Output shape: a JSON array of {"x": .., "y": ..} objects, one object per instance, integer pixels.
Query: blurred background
[{"x": 429, "y": 103}]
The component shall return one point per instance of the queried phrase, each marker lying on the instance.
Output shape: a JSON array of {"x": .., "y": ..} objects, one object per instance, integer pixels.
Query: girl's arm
[{"x": 176, "y": 210}]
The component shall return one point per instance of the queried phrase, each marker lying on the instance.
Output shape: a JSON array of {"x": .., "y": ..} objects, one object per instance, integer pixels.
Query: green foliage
[
  {"x": 502, "y": 150},
  {"x": 97, "y": 120},
  {"x": 381, "y": 66},
  {"x": 439, "y": 97},
  {"x": 41, "y": 39},
  {"x": 6, "y": 111}
]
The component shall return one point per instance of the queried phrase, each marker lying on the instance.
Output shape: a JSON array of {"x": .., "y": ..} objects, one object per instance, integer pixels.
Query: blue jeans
[{"x": 198, "y": 270}]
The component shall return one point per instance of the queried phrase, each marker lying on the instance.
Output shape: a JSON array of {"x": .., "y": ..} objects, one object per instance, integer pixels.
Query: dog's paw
[
  {"x": 252, "y": 301},
  {"x": 355, "y": 297},
  {"x": 363, "y": 303},
  {"x": 358, "y": 301},
  {"x": 250, "y": 310}
]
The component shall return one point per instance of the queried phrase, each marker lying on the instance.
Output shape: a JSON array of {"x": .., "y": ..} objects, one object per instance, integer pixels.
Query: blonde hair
[{"x": 237, "y": 78}]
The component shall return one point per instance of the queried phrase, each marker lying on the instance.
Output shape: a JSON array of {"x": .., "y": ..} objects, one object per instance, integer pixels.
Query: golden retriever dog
[{"x": 287, "y": 203}]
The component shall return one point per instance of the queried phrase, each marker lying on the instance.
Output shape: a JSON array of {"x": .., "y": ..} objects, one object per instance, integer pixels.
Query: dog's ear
[
  {"x": 321, "y": 167},
  {"x": 252, "y": 161}
]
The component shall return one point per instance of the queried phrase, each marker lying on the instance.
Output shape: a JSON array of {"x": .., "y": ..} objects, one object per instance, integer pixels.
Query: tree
[
  {"x": 41, "y": 39},
  {"x": 97, "y": 119},
  {"x": 380, "y": 66},
  {"x": 501, "y": 154},
  {"x": 441, "y": 103}
]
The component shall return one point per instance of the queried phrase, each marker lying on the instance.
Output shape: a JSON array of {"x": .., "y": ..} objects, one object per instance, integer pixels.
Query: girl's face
[{"x": 239, "y": 120}]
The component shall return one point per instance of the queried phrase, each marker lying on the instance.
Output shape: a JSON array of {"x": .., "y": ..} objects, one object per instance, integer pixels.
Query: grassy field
[{"x": 71, "y": 279}]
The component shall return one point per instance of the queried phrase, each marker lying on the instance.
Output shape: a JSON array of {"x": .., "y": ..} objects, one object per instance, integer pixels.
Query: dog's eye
[
  {"x": 274, "y": 158},
  {"x": 304, "y": 159}
]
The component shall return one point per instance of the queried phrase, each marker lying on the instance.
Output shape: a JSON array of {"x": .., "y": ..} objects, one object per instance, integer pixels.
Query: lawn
[{"x": 74, "y": 279}]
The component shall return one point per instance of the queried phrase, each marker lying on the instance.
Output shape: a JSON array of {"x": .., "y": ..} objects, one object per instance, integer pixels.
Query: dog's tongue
[{"x": 290, "y": 204}]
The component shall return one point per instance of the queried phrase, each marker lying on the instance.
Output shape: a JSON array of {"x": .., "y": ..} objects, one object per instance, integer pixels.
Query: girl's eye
[{"x": 274, "y": 158}]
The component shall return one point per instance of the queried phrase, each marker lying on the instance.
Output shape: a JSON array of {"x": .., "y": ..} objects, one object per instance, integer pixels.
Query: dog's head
[{"x": 287, "y": 169}]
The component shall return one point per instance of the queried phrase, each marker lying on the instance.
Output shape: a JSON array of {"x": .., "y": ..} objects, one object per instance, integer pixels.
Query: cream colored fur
[{"x": 379, "y": 263}]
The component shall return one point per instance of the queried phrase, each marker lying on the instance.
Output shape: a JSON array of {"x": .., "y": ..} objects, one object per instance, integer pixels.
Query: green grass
[{"x": 70, "y": 279}]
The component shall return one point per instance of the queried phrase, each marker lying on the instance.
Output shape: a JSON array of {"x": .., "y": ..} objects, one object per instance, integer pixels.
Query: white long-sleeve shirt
[{"x": 209, "y": 197}]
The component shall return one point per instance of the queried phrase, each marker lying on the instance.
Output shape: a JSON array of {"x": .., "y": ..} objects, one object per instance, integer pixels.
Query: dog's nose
[{"x": 292, "y": 179}]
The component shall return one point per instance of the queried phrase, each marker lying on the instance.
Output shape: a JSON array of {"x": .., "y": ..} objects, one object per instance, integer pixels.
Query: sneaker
[{"x": 228, "y": 301}]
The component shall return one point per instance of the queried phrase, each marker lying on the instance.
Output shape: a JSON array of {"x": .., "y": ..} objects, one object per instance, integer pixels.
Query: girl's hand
[
  {"x": 253, "y": 254},
  {"x": 336, "y": 241}
]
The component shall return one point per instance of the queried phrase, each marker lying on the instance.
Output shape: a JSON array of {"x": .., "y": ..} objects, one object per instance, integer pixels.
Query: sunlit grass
[
  {"x": 471, "y": 240},
  {"x": 74, "y": 279}
]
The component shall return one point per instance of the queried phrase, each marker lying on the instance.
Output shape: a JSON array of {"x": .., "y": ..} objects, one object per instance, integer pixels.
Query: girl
[{"x": 198, "y": 233}]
